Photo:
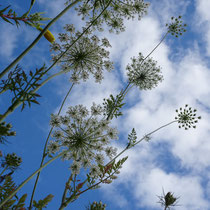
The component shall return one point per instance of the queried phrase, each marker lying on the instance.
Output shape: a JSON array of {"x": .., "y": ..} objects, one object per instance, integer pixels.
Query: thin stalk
[
  {"x": 65, "y": 203},
  {"x": 66, "y": 189},
  {"x": 30, "y": 177},
  {"x": 4, "y": 170},
  {"x": 156, "y": 46},
  {"x": 140, "y": 141},
  {"x": 45, "y": 147},
  {"x": 37, "y": 39},
  {"x": 90, "y": 187},
  {"x": 155, "y": 131}
]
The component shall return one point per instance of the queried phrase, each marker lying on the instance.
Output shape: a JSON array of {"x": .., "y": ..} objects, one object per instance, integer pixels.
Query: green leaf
[
  {"x": 21, "y": 202},
  {"x": 4, "y": 9},
  {"x": 36, "y": 102},
  {"x": 42, "y": 203},
  {"x": 6, "y": 20},
  {"x": 32, "y": 2}
]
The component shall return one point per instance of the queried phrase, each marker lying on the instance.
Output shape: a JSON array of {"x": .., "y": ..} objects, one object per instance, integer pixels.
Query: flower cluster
[
  {"x": 187, "y": 117},
  {"x": 5, "y": 130},
  {"x": 11, "y": 161},
  {"x": 144, "y": 73},
  {"x": 168, "y": 200},
  {"x": 87, "y": 56},
  {"x": 115, "y": 13},
  {"x": 85, "y": 137},
  {"x": 96, "y": 206},
  {"x": 176, "y": 27}
]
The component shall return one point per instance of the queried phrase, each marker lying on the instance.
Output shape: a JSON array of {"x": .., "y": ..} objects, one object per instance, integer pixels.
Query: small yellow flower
[{"x": 48, "y": 35}]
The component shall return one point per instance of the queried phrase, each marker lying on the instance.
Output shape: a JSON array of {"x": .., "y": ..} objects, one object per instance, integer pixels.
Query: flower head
[
  {"x": 168, "y": 200},
  {"x": 176, "y": 27},
  {"x": 144, "y": 73},
  {"x": 86, "y": 56},
  {"x": 48, "y": 35},
  {"x": 187, "y": 117},
  {"x": 11, "y": 161},
  {"x": 96, "y": 206},
  {"x": 5, "y": 130},
  {"x": 83, "y": 135},
  {"x": 113, "y": 16},
  {"x": 75, "y": 167}
]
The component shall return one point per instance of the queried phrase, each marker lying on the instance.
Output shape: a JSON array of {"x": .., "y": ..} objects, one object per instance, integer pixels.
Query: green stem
[
  {"x": 140, "y": 141},
  {"x": 4, "y": 170},
  {"x": 155, "y": 131},
  {"x": 30, "y": 177},
  {"x": 37, "y": 39},
  {"x": 65, "y": 191},
  {"x": 31, "y": 5},
  {"x": 45, "y": 148},
  {"x": 156, "y": 46},
  {"x": 89, "y": 188}
]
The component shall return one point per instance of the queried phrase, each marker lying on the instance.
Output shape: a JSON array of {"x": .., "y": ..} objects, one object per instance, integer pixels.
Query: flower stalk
[
  {"x": 30, "y": 177},
  {"x": 45, "y": 148}
]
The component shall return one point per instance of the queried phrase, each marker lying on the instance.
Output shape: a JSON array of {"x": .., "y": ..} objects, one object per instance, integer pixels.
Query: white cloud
[
  {"x": 202, "y": 21},
  {"x": 187, "y": 188},
  {"x": 8, "y": 43}
]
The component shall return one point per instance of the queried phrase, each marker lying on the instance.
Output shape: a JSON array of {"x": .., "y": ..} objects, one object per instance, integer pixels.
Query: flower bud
[{"x": 48, "y": 35}]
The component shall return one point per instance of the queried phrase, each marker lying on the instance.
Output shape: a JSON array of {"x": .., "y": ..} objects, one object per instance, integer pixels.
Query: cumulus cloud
[
  {"x": 202, "y": 21},
  {"x": 185, "y": 82},
  {"x": 8, "y": 43}
]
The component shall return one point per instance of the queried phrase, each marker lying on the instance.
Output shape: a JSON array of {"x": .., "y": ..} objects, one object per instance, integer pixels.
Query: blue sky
[{"x": 175, "y": 159}]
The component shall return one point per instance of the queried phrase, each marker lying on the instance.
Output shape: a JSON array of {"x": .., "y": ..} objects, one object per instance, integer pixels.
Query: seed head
[
  {"x": 186, "y": 117},
  {"x": 176, "y": 27}
]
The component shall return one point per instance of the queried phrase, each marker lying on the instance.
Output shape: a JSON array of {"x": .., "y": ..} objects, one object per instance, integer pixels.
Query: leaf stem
[
  {"x": 3, "y": 170},
  {"x": 140, "y": 141},
  {"x": 30, "y": 177},
  {"x": 45, "y": 147}
]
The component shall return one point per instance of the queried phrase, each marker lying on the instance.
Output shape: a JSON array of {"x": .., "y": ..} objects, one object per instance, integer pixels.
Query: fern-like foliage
[
  {"x": 5, "y": 131},
  {"x": 132, "y": 138},
  {"x": 6, "y": 189},
  {"x": 113, "y": 105},
  {"x": 42, "y": 203},
  {"x": 9, "y": 15},
  {"x": 22, "y": 85}
]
